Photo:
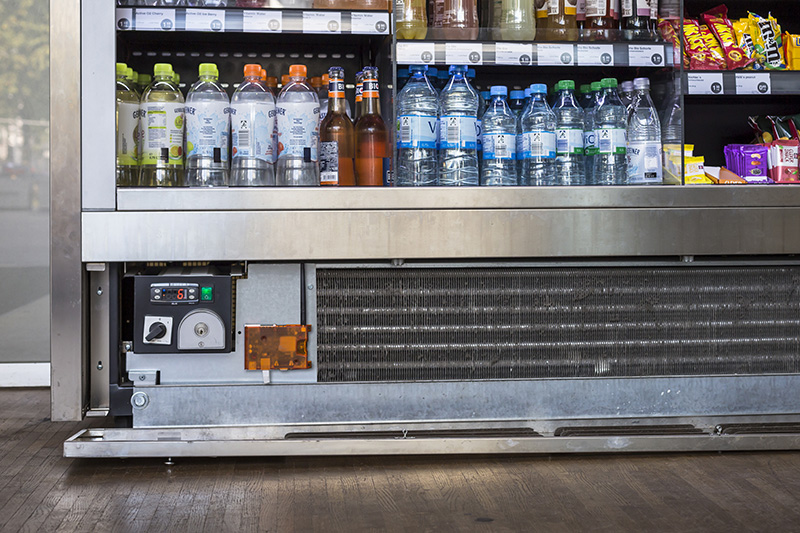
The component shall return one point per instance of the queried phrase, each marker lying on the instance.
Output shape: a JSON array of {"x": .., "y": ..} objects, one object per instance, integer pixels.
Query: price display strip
[
  {"x": 512, "y": 54},
  {"x": 646, "y": 55},
  {"x": 700, "y": 83},
  {"x": 754, "y": 83},
  {"x": 416, "y": 53},
  {"x": 368, "y": 23},
  {"x": 204, "y": 20},
  {"x": 465, "y": 53},
  {"x": 146, "y": 19},
  {"x": 322, "y": 22},
  {"x": 262, "y": 21},
  {"x": 561, "y": 55},
  {"x": 601, "y": 55}
]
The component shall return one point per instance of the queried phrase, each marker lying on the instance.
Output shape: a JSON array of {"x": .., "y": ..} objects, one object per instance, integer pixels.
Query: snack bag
[
  {"x": 694, "y": 171},
  {"x": 767, "y": 41},
  {"x": 700, "y": 57},
  {"x": 669, "y": 32},
  {"x": 713, "y": 46},
  {"x": 783, "y": 161},
  {"x": 744, "y": 38},
  {"x": 718, "y": 23},
  {"x": 791, "y": 50}
]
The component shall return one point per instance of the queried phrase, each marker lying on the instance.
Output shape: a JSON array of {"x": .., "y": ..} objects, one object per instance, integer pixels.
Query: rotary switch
[{"x": 157, "y": 331}]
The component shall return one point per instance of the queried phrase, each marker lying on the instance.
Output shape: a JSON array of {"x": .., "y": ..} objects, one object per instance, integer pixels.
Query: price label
[
  {"x": 555, "y": 54},
  {"x": 642, "y": 55},
  {"x": 463, "y": 53},
  {"x": 205, "y": 20},
  {"x": 753, "y": 83},
  {"x": 322, "y": 22},
  {"x": 262, "y": 21},
  {"x": 155, "y": 19},
  {"x": 513, "y": 54},
  {"x": 415, "y": 53},
  {"x": 369, "y": 23},
  {"x": 596, "y": 54},
  {"x": 125, "y": 19},
  {"x": 704, "y": 82}
]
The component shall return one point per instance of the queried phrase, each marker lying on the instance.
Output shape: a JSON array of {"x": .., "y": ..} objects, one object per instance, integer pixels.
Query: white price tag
[
  {"x": 205, "y": 20},
  {"x": 415, "y": 53},
  {"x": 555, "y": 54},
  {"x": 469, "y": 53},
  {"x": 753, "y": 83},
  {"x": 125, "y": 19},
  {"x": 322, "y": 22},
  {"x": 513, "y": 54},
  {"x": 704, "y": 82},
  {"x": 155, "y": 19},
  {"x": 369, "y": 23},
  {"x": 262, "y": 21},
  {"x": 596, "y": 54},
  {"x": 643, "y": 55}
]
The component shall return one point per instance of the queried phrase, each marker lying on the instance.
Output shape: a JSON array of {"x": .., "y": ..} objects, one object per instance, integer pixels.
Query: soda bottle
[
  {"x": 562, "y": 24},
  {"x": 517, "y": 20},
  {"x": 589, "y": 139},
  {"x": 460, "y": 20},
  {"x": 359, "y": 94},
  {"x": 537, "y": 133},
  {"x": 601, "y": 20},
  {"x": 298, "y": 131},
  {"x": 610, "y": 118},
  {"x": 207, "y": 130},
  {"x": 162, "y": 108},
  {"x": 458, "y": 147},
  {"x": 127, "y": 129},
  {"x": 644, "y": 137},
  {"x": 411, "y": 20},
  {"x": 499, "y": 141},
  {"x": 336, "y": 136},
  {"x": 638, "y": 18},
  {"x": 372, "y": 137},
  {"x": 417, "y": 130},
  {"x": 252, "y": 124},
  {"x": 570, "y": 166},
  {"x": 516, "y": 102}
]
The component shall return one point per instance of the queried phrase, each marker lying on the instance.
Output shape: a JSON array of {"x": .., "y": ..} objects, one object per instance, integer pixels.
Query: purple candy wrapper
[{"x": 748, "y": 161}]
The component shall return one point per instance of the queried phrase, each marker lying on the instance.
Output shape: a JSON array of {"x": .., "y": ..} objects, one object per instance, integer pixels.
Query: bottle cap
[
  {"x": 144, "y": 79},
  {"x": 176, "y": 78},
  {"x": 486, "y": 95},
  {"x": 325, "y": 79},
  {"x": 263, "y": 75},
  {"x": 208, "y": 69},
  {"x": 316, "y": 82},
  {"x": 271, "y": 81},
  {"x": 538, "y": 88},
  {"x": 517, "y": 95},
  {"x": 498, "y": 90},
  {"x": 402, "y": 73},
  {"x": 471, "y": 73},
  {"x": 627, "y": 86},
  {"x": 433, "y": 72},
  {"x": 641, "y": 83},
  {"x": 596, "y": 86},
  {"x": 298, "y": 71},
  {"x": 336, "y": 70},
  {"x": 608, "y": 82},
  {"x": 564, "y": 85},
  {"x": 456, "y": 68},
  {"x": 585, "y": 88},
  {"x": 252, "y": 70},
  {"x": 418, "y": 68},
  {"x": 130, "y": 74},
  {"x": 527, "y": 92},
  {"x": 122, "y": 68},
  {"x": 162, "y": 69},
  {"x": 285, "y": 79}
]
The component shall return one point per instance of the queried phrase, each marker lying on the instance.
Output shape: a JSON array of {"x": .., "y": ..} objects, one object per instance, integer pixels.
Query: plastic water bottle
[
  {"x": 644, "y": 137},
  {"x": 298, "y": 131},
  {"x": 484, "y": 97},
  {"x": 499, "y": 141},
  {"x": 252, "y": 123},
  {"x": 589, "y": 144},
  {"x": 417, "y": 130},
  {"x": 516, "y": 101},
  {"x": 128, "y": 131},
  {"x": 458, "y": 147},
  {"x": 672, "y": 117},
  {"x": 570, "y": 167},
  {"x": 527, "y": 93},
  {"x": 207, "y": 127},
  {"x": 162, "y": 113},
  {"x": 433, "y": 78},
  {"x": 611, "y": 118},
  {"x": 402, "y": 78},
  {"x": 443, "y": 78},
  {"x": 537, "y": 145},
  {"x": 626, "y": 94},
  {"x": 585, "y": 91}
]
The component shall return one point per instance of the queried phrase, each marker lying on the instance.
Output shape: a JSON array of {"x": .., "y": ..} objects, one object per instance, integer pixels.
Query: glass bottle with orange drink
[
  {"x": 336, "y": 136},
  {"x": 371, "y": 134}
]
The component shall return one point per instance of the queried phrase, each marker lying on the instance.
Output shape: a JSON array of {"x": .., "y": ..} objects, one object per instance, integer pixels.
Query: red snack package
[
  {"x": 670, "y": 33},
  {"x": 718, "y": 23},
  {"x": 700, "y": 57},
  {"x": 783, "y": 161},
  {"x": 713, "y": 46}
]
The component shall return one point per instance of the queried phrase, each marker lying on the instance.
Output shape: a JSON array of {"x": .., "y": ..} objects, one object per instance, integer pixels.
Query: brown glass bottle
[
  {"x": 562, "y": 23},
  {"x": 371, "y": 134},
  {"x": 600, "y": 20},
  {"x": 359, "y": 97},
  {"x": 336, "y": 135}
]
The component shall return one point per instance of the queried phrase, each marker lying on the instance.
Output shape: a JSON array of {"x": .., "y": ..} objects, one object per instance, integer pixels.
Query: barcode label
[
  {"x": 244, "y": 139},
  {"x": 329, "y": 162},
  {"x": 405, "y": 130},
  {"x": 453, "y": 130}
]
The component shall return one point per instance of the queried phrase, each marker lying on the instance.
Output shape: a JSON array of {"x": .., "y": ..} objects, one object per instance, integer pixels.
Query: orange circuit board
[{"x": 276, "y": 347}]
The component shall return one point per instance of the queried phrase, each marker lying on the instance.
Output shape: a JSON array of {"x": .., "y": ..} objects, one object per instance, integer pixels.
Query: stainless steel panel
[
  {"x": 344, "y": 198},
  {"x": 98, "y": 138},
  {"x": 444, "y": 234},
  {"x": 468, "y": 401},
  {"x": 67, "y": 311},
  {"x": 99, "y": 342}
]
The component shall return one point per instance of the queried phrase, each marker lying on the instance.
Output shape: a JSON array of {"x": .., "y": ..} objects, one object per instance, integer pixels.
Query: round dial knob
[{"x": 157, "y": 330}]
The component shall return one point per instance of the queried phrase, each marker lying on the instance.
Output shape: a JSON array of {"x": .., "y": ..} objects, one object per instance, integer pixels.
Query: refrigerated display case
[{"x": 283, "y": 321}]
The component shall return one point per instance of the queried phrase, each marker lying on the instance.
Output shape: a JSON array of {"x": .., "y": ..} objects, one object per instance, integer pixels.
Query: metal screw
[
  {"x": 127, "y": 346},
  {"x": 310, "y": 287},
  {"x": 99, "y": 291},
  {"x": 142, "y": 378},
  {"x": 99, "y": 365},
  {"x": 139, "y": 400}
]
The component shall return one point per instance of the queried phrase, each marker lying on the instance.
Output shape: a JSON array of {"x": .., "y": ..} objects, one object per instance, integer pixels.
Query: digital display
[{"x": 180, "y": 293}]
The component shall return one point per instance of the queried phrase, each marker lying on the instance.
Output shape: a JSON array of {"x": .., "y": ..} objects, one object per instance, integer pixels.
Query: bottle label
[
  {"x": 611, "y": 141},
  {"x": 542, "y": 9},
  {"x": 499, "y": 146},
  {"x": 415, "y": 131},
  {"x": 128, "y": 134},
  {"x": 589, "y": 144},
  {"x": 370, "y": 88},
  {"x": 596, "y": 8},
  {"x": 627, "y": 8},
  {"x": 654, "y": 9},
  {"x": 359, "y": 91},
  {"x": 570, "y": 7},
  {"x": 399, "y": 10},
  {"x": 329, "y": 163},
  {"x": 298, "y": 130},
  {"x": 275, "y": 139},
  {"x": 252, "y": 125},
  {"x": 569, "y": 141},
  {"x": 643, "y": 8},
  {"x": 336, "y": 89},
  {"x": 538, "y": 144},
  {"x": 459, "y": 133},
  {"x": 163, "y": 133},
  {"x": 644, "y": 162},
  {"x": 479, "y": 130},
  {"x": 207, "y": 130}
]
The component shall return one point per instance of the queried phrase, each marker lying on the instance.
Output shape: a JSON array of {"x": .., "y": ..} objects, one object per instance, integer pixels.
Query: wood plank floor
[{"x": 42, "y": 491}]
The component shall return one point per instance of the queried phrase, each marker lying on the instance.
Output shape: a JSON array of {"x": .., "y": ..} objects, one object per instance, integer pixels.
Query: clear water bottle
[
  {"x": 527, "y": 93},
  {"x": 252, "y": 124},
  {"x": 417, "y": 130},
  {"x": 162, "y": 115},
  {"x": 516, "y": 101},
  {"x": 433, "y": 78},
  {"x": 458, "y": 146},
  {"x": 589, "y": 144},
  {"x": 611, "y": 121},
  {"x": 585, "y": 91},
  {"x": 626, "y": 94},
  {"x": 484, "y": 98},
  {"x": 443, "y": 78},
  {"x": 298, "y": 131},
  {"x": 570, "y": 167},
  {"x": 499, "y": 141},
  {"x": 207, "y": 129},
  {"x": 672, "y": 118},
  {"x": 402, "y": 78},
  {"x": 537, "y": 146},
  {"x": 644, "y": 137}
]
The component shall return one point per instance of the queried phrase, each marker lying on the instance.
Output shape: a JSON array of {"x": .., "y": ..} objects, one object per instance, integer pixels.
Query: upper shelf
[
  {"x": 638, "y": 54},
  {"x": 253, "y": 21},
  {"x": 743, "y": 82}
]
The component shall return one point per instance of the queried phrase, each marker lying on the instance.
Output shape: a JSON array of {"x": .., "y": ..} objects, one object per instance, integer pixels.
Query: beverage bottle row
[
  {"x": 277, "y": 4},
  {"x": 457, "y": 138},
  {"x": 255, "y": 138}
]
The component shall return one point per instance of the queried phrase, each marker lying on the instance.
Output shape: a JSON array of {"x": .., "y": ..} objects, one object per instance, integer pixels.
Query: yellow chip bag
[
  {"x": 791, "y": 44},
  {"x": 767, "y": 40},
  {"x": 745, "y": 40}
]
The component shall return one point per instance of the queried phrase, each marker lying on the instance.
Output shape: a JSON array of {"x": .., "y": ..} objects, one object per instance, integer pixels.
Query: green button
[{"x": 207, "y": 293}]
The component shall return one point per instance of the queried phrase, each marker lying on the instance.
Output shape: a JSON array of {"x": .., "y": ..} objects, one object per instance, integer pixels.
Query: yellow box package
[
  {"x": 791, "y": 49},
  {"x": 695, "y": 171}
]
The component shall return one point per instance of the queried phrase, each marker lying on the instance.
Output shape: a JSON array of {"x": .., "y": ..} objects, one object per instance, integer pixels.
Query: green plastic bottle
[
  {"x": 142, "y": 81},
  {"x": 162, "y": 110},
  {"x": 127, "y": 125}
]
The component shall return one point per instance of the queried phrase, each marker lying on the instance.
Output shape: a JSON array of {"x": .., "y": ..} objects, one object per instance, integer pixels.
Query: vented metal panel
[{"x": 409, "y": 324}]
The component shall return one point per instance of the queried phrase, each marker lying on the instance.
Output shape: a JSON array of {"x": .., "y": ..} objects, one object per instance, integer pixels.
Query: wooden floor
[{"x": 41, "y": 491}]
